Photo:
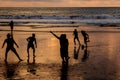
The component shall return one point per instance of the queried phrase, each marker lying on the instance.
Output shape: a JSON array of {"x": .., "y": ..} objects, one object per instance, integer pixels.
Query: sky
[{"x": 59, "y": 3}]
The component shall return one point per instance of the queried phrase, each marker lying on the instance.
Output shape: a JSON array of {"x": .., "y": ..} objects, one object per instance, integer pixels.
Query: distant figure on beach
[
  {"x": 85, "y": 36},
  {"x": 32, "y": 43},
  {"x": 11, "y": 26},
  {"x": 10, "y": 46},
  {"x": 75, "y": 33},
  {"x": 63, "y": 46}
]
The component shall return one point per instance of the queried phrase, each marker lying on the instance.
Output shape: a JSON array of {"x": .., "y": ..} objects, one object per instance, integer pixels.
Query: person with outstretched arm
[
  {"x": 63, "y": 46},
  {"x": 10, "y": 46}
]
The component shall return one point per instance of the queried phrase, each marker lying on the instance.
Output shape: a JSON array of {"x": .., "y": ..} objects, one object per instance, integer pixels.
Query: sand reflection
[
  {"x": 11, "y": 70},
  {"x": 31, "y": 66}
]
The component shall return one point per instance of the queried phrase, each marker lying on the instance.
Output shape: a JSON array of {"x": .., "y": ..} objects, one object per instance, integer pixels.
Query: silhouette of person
[
  {"x": 11, "y": 26},
  {"x": 11, "y": 69},
  {"x": 32, "y": 43},
  {"x": 75, "y": 33},
  {"x": 10, "y": 46},
  {"x": 85, "y": 55},
  {"x": 63, "y": 46},
  {"x": 76, "y": 52},
  {"x": 85, "y": 36}
]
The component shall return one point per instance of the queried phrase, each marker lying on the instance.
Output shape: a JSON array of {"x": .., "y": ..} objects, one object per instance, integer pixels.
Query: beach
[{"x": 100, "y": 61}]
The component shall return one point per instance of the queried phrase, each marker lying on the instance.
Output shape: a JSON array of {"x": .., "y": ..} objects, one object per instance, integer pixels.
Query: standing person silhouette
[
  {"x": 75, "y": 33},
  {"x": 85, "y": 36},
  {"x": 11, "y": 26},
  {"x": 31, "y": 44},
  {"x": 63, "y": 46},
  {"x": 10, "y": 46}
]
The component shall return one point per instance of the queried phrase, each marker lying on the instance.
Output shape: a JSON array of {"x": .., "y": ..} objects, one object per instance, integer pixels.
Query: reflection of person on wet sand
[
  {"x": 75, "y": 33},
  {"x": 11, "y": 70},
  {"x": 85, "y": 36},
  {"x": 31, "y": 44},
  {"x": 76, "y": 52},
  {"x": 85, "y": 55},
  {"x": 63, "y": 46},
  {"x": 10, "y": 46},
  {"x": 64, "y": 71},
  {"x": 31, "y": 66}
]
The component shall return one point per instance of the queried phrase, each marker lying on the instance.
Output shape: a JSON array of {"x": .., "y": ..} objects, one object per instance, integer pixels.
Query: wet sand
[{"x": 99, "y": 62}]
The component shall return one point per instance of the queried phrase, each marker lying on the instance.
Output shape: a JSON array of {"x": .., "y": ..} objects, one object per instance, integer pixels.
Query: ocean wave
[
  {"x": 100, "y": 20},
  {"x": 102, "y": 16}
]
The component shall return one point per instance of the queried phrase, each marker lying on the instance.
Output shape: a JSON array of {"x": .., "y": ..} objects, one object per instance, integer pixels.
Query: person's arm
[
  {"x": 16, "y": 44},
  {"x": 3, "y": 43},
  {"x": 87, "y": 36},
  {"x": 54, "y": 35},
  {"x": 27, "y": 39}
]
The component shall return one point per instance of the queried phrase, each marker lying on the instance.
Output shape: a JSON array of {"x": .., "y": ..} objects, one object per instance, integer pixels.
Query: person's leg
[
  {"x": 78, "y": 40},
  {"x": 7, "y": 50},
  {"x": 13, "y": 49},
  {"x": 66, "y": 55},
  {"x": 62, "y": 55},
  {"x": 34, "y": 52},
  {"x": 28, "y": 60},
  {"x": 63, "y": 58},
  {"x": 85, "y": 41},
  {"x": 28, "y": 50},
  {"x": 74, "y": 41}
]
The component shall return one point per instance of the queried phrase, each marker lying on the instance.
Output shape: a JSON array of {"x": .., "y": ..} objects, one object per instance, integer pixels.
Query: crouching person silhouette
[
  {"x": 31, "y": 44},
  {"x": 63, "y": 46},
  {"x": 10, "y": 46}
]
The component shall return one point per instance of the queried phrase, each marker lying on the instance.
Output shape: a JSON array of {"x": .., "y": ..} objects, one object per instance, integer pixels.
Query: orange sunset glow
[{"x": 60, "y": 3}]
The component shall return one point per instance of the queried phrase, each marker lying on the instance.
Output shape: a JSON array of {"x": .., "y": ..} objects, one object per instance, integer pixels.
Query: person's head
[
  {"x": 11, "y": 21},
  {"x": 33, "y": 35},
  {"x": 75, "y": 29},
  {"x": 8, "y": 35},
  {"x": 63, "y": 36},
  {"x": 82, "y": 31}
]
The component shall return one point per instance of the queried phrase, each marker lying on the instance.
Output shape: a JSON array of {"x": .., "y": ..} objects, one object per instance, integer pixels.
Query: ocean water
[{"x": 61, "y": 15}]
